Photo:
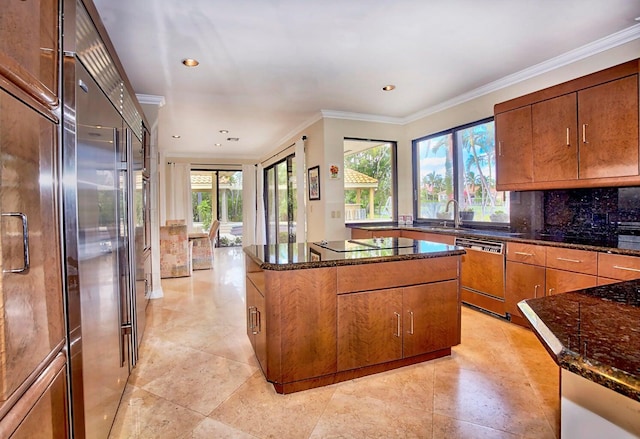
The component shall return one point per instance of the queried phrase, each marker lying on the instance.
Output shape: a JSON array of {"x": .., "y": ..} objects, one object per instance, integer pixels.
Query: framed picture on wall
[{"x": 313, "y": 178}]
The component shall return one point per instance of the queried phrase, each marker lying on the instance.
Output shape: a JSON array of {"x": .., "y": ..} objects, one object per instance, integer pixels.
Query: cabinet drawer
[
  {"x": 579, "y": 261},
  {"x": 361, "y": 234},
  {"x": 396, "y": 274},
  {"x": 618, "y": 266},
  {"x": 526, "y": 253}
]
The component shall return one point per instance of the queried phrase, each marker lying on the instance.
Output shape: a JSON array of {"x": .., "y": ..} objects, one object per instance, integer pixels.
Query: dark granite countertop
[
  {"x": 594, "y": 333},
  {"x": 622, "y": 243},
  {"x": 352, "y": 252}
]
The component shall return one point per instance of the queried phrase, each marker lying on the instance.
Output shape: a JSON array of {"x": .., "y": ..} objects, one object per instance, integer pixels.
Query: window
[
  {"x": 459, "y": 164},
  {"x": 369, "y": 180}
]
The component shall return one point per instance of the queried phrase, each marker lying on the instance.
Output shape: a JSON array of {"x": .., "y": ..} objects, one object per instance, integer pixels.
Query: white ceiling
[{"x": 268, "y": 67}]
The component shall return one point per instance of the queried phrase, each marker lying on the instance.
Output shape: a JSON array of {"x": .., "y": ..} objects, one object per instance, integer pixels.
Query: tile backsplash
[{"x": 598, "y": 211}]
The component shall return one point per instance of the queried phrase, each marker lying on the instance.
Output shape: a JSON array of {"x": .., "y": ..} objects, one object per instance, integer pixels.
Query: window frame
[
  {"x": 394, "y": 180},
  {"x": 457, "y": 177}
]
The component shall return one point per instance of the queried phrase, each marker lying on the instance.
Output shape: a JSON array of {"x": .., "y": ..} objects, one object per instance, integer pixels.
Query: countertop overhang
[
  {"x": 594, "y": 333},
  {"x": 333, "y": 253}
]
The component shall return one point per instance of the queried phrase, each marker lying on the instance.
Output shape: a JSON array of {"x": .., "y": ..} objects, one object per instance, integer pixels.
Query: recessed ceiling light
[
  {"x": 218, "y": 144},
  {"x": 176, "y": 136},
  {"x": 190, "y": 62},
  {"x": 389, "y": 87},
  {"x": 224, "y": 131},
  {"x": 233, "y": 139}
]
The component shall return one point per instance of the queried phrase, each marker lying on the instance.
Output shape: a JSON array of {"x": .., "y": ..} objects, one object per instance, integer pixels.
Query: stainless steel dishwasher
[{"x": 482, "y": 274}]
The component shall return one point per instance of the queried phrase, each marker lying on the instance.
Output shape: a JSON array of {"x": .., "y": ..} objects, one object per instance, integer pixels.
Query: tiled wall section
[{"x": 589, "y": 211}]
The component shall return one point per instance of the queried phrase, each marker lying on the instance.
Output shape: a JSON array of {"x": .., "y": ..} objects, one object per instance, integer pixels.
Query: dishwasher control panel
[{"x": 480, "y": 245}]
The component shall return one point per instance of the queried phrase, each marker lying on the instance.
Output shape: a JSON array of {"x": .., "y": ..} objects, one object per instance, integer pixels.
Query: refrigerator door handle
[{"x": 25, "y": 242}]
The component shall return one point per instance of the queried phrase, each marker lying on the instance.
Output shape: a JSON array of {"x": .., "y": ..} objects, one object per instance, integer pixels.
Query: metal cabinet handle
[
  {"x": 500, "y": 148},
  {"x": 584, "y": 132},
  {"x": 25, "y": 242},
  {"x": 252, "y": 310},
  {"x": 258, "y": 321},
  {"x": 410, "y": 322},
  {"x": 523, "y": 254},
  {"x": 568, "y": 141},
  {"x": 627, "y": 268},
  {"x": 398, "y": 334},
  {"x": 535, "y": 290},
  {"x": 577, "y": 261}
]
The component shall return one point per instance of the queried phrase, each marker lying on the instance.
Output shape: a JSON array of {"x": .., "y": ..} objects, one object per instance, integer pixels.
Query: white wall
[{"x": 325, "y": 144}]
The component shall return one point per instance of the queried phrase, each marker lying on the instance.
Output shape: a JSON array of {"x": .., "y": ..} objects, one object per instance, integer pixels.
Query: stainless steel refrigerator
[{"x": 106, "y": 302}]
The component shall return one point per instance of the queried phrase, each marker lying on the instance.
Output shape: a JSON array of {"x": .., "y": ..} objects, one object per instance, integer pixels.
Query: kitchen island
[
  {"x": 594, "y": 336},
  {"x": 321, "y": 313}
]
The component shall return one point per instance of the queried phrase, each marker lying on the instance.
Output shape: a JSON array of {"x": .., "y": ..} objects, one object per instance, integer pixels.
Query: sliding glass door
[
  {"x": 218, "y": 195},
  {"x": 281, "y": 205}
]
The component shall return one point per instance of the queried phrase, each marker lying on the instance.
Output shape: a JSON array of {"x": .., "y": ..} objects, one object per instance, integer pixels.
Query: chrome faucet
[{"x": 456, "y": 212}]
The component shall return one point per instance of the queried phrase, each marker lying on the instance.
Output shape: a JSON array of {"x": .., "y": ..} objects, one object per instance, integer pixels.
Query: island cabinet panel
[
  {"x": 514, "y": 162},
  {"x": 555, "y": 138},
  {"x": 256, "y": 320},
  {"x": 431, "y": 317},
  {"x": 369, "y": 328},
  {"x": 608, "y": 121},
  {"x": 395, "y": 274},
  {"x": 433, "y": 237},
  {"x": 302, "y": 324}
]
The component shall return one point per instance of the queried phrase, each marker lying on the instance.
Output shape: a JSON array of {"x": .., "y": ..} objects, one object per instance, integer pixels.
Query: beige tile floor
[{"x": 198, "y": 378}]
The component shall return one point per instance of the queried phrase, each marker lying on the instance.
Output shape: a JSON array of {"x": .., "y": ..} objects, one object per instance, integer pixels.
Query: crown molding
[
  {"x": 151, "y": 99},
  {"x": 601, "y": 45},
  {"x": 609, "y": 42},
  {"x": 332, "y": 114},
  {"x": 294, "y": 132}
]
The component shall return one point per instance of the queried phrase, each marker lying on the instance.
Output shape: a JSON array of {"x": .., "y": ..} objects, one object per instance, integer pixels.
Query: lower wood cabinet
[
  {"x": 560, "y": 281},
  {"x": 385, "y": 325},
  {"x": 369, "y": 328},
  {"x": 524, "y": 281},
  {"x": 256, "y": 322}
]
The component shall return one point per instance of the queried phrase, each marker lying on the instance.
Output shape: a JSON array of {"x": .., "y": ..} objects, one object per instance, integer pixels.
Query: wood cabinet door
[
  {"x": 256, "y": 323},
  {"x": 369, "y": 328},
  {"x": 608, "y": 120},
  {"x": 29, "y": 50},
  {"x": 513, "y": 143},
  {"x": 524, "y": 281},
  {"x": 31, "y": 317},
  {"x": 560, "y": 281},
  {"x": 554, "y": 124},
  {"x": 431, "y": 317}
]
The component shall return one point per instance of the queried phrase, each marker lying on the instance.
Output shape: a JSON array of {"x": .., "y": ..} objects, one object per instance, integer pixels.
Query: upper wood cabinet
[
  {"x": 582, "y": 133},
  {"x": 29, "y": 43},
  {"x": 608, "y": 121},
  {"x": 554, "y": 124},
  {"x": 514, "y": 162}
]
